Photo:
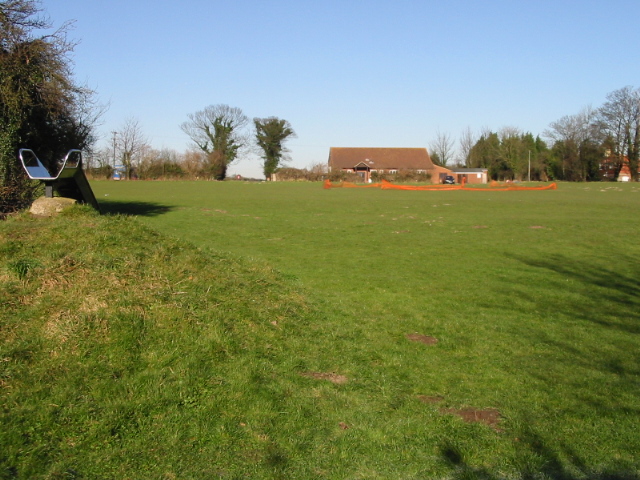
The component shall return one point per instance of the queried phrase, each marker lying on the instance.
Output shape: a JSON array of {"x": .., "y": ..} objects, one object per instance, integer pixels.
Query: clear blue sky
[{"x": 377, "y": 73}]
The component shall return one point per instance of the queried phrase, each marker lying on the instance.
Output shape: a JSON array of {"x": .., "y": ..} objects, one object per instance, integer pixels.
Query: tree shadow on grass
[
  {"x": 607, "y": 299},
  {"x": 552, "y": 468},
  {"x": 617, "y": 293},
  {"x": 144, "y": 209},
  {"x": 589, "y": 352}
]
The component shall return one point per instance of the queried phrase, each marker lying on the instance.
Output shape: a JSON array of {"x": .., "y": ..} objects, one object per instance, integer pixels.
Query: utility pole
[
  {"x": 529, "y": 165},
  {"x": 114, "y": 149}
]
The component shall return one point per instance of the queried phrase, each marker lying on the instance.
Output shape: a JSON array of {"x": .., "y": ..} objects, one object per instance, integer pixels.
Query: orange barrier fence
[
  {"x": 511, "y": 188},
  {"x": 494, "y": 187}
]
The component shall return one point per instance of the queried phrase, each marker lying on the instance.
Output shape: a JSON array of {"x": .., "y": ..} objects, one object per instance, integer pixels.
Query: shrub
[
  {"x": 157, "y": 170},
  {"x": 17, "y": 195},
  {"x": 343, "y": 176},
  {"x": 105, "y": 171},
  {"x": 402, "y": 176}
]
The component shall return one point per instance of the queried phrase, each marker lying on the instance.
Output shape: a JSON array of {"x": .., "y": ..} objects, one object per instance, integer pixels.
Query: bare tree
[
  {"x": 619, "y": 120},
  {"x": 318, "y": 171},
  {"x": 132, "y": 144},
  {"x": 98, "y": 158},
  {"x": 576, "y": 145},
  {"x": 485, "y": 131},
  {"x": 577, "y": 128},
  {"x": 319, "y": 168},
  {"x": 192, "y": 163},
  {"x": 467, "y": 140},
  {"x": 218, "y": 132},
  {"x": 442, "y": 148},
  {"x": 509, "y": 132}
]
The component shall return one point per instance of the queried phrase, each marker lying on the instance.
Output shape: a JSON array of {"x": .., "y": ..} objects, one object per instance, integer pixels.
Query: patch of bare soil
[
  {"x": 479, "y": 226},
  {"x": 488, "y": 416},
  {"x": 418, "y": 337},
  {"x": 536, "y": 226},
  {"x": 431, "y": 399},
  {"x": 332, "y": 377}
]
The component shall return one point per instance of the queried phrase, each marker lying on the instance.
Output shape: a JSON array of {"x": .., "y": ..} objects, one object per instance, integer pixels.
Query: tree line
[
  {"x": 592, "y": 145},
  {"x": 220, "y": 134},
  {"x": 44, "y": 108}
]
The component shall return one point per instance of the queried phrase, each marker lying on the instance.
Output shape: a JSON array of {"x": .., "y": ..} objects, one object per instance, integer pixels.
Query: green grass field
[{"x": 283, "y": 346}]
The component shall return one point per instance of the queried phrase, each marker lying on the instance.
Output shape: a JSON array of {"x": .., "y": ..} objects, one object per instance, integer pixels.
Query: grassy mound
[{"x": 128, "y": 355}]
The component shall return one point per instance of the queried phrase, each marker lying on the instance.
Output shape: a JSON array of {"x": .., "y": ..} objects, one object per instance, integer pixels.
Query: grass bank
[{"x": 403, "y": 335}]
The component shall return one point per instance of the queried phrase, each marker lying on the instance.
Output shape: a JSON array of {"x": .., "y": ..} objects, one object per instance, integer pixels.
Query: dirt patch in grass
[
  {"x": 418, "y": 337},
  {"x": 536, "y": 226},
  {"x": 431, "y": 399},
  {"x": 488, "y": 416},
  {"x": 332, "y": 377}
]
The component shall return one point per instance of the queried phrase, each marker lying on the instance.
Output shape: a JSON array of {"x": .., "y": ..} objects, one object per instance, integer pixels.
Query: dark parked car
[{"x": 449, "y": 180}]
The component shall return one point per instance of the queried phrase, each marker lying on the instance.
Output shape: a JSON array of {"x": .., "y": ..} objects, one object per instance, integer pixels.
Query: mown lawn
[{"x": 402, "y": 335}]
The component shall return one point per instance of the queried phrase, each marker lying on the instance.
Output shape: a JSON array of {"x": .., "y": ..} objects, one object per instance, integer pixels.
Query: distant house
[
  {"x": 365, "y": 161},
  {"x": 608, "y": 169},
  {"x": 470, "y": 175}
]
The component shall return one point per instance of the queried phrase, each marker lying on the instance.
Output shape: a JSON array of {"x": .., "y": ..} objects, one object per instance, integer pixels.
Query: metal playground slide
[{"x": 70, "y": 181}]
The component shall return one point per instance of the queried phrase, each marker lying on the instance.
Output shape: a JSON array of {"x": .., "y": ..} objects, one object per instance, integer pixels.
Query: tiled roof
[
  {"x": 469, "y": 170},
  {"x": 380, "y": 158}
]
